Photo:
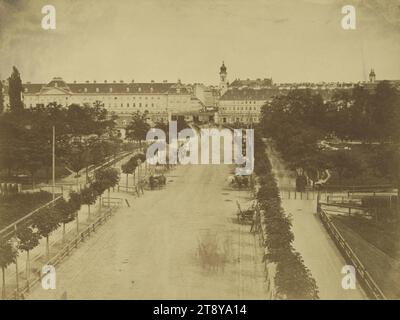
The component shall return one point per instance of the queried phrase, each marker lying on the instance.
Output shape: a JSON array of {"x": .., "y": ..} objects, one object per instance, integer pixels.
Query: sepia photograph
[{"x": 178, "y": 150}]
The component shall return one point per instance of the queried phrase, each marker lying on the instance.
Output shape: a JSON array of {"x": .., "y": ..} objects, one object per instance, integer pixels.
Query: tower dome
[
  {"x": 372, "y": 76},
  {"x": 223, "y": 84},
  {"x": 223, "y": 68}
]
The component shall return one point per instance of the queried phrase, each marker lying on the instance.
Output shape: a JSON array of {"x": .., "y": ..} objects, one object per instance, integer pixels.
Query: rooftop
[{"x": 106, "y": 87}]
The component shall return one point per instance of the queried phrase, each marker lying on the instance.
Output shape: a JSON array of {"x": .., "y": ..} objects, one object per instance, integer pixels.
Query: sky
[{"x": 143, "y": 40}]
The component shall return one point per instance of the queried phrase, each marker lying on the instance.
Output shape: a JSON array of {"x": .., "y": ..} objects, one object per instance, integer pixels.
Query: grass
[
  {"x": 377, "y": 246},
  {"x": 15, "y": 206},
  {"x": 43, "y": 175}
]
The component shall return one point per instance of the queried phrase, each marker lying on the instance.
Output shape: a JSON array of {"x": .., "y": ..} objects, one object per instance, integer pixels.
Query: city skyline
[{"x": 288, "y": 41}]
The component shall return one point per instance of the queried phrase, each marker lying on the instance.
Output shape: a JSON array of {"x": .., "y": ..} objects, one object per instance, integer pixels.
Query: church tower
[
  {"x": 372, "y": 76},
  {"x": 223, "y": 84}
]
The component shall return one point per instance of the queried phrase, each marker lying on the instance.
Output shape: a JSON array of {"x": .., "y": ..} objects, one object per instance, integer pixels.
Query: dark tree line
[
  {"x": 84, "y": 136},
  {"x": 293, "y": 279},
  {"x": 300, "y": 120}
]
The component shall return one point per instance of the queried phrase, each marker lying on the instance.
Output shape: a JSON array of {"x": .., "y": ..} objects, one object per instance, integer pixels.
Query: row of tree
[
  {"x": 293, "y": 280},
  {"x": 85, "y": 136},
  {"x": 138, "y": 127},
  {"x": 46, "y": 220},
  {"x": 130, "y": 166}
]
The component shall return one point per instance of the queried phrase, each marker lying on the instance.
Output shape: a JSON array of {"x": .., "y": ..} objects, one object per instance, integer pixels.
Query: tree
[
  {"x": 296, "y": 122},
  {"x": 35, "y": 151},
  {"x": 106, "y": 179},
  {"x": 346, "y": 164},
  {"x": 75, "y": 203},
  {"x": 88, "y": 196},
  {"x": 1, "y": 97},
  {"x": 15, "y": 91},
  {"x": 129, "y": 168},
  {"x": 66, "y": 212},
  {"x": 76, "y": 157},
  {"x": 138, "y": 127},
  {"x": 385, "y": 112},
  {"x": 164, "y": 127},
  {"x": 387, "y": 162},
  {"x": 28, "y": 239},
  {"x": 7, "y": 256},
  {"x": 46, "y": 221}
]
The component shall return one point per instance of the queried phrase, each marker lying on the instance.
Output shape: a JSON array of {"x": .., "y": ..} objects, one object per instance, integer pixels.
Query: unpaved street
[{"x": 151, "y": 249}]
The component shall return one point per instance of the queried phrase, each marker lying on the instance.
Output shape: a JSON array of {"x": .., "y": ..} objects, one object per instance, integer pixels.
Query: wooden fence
[
  {"x": 63, "y": 253},
  {"x": 370, "y": 286}
]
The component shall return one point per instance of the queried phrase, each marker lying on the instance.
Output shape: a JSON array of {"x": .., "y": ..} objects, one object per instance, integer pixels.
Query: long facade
[{"x": 123, "y": 99}]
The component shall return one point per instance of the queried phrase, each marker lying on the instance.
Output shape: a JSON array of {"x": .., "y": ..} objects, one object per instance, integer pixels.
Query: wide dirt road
[{"x": 151, "y": 250}]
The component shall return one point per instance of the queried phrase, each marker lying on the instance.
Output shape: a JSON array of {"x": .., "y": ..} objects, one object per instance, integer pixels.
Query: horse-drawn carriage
[
  {"x": 157, "y": 181},
  {"x": 245, "y": 216},
  {"x": 239, "y": 182}
]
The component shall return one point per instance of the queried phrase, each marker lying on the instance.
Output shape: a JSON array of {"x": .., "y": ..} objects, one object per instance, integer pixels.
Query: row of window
[
  {"x": 133, "y": 105},
  {"x": 244, "y": 102},
  {"x": 37, "y": 98},
  {"x": 239, "y": 108},
  {"x": 240, "y": 119},
  {"x": 111, "y": 90}
]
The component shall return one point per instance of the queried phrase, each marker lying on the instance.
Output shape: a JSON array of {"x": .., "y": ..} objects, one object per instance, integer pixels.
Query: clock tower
[{"x": 223, "y": 84}]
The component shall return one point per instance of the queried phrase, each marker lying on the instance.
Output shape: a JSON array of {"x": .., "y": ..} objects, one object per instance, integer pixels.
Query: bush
[{"x": 294, "y": 280}]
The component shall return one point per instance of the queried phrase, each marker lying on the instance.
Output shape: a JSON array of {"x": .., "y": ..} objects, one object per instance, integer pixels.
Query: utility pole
[{"x": 54, "y": 162}]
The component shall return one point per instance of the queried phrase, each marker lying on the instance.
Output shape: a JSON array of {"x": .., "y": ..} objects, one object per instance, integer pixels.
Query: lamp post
[
  {"x": 54, "y": 162},
  {"x": 138, "y": 166}
]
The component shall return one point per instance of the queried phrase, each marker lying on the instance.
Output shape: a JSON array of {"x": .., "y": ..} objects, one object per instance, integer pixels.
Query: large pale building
[
  {"x": 243, "y": 104},
  {"x": 160, "y": 100},
  {"x": 242, "y": 100}
]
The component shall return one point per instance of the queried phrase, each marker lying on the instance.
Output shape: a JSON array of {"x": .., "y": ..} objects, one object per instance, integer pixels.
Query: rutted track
[{"x": 150, "y": 250}]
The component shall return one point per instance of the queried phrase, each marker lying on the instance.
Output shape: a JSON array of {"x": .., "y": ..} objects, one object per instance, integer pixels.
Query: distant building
[
  {"x": 244, "y": 105},
  {"x": 254, "y": 84},
  {"x": 158, "y": 99},
  {"x": 208, "y": 95}
]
